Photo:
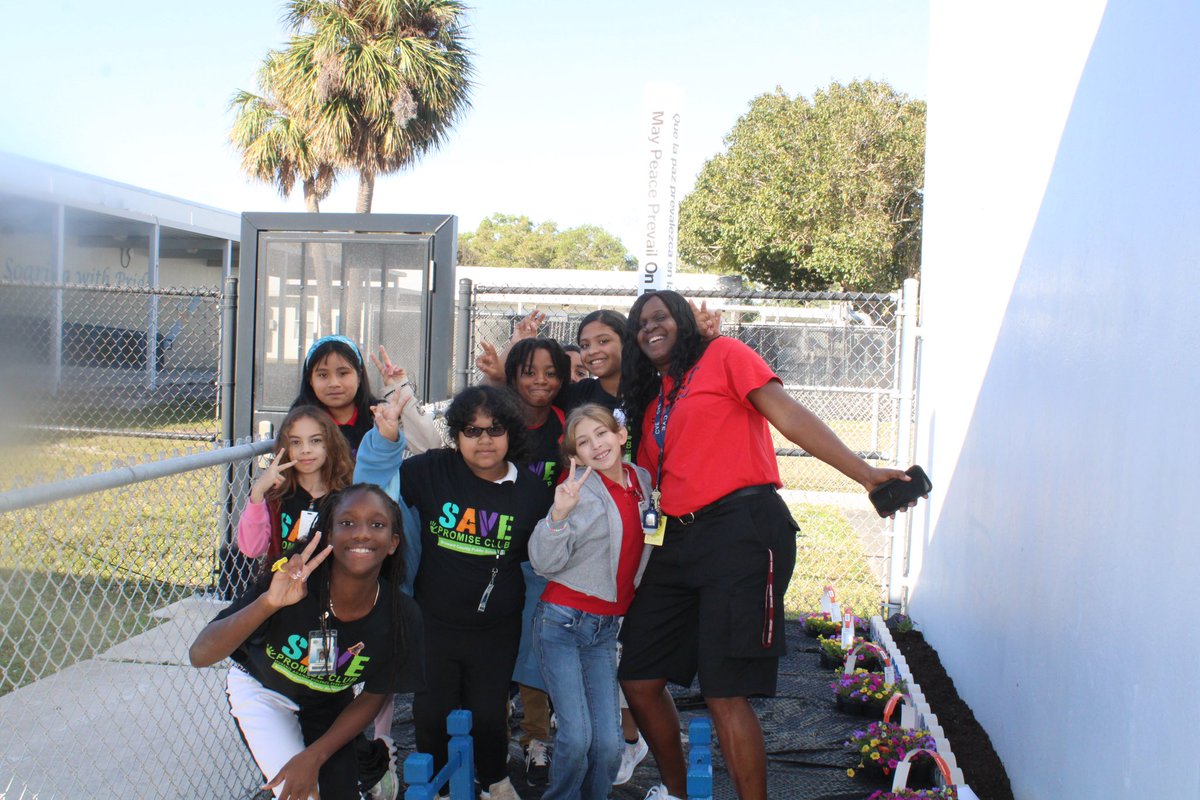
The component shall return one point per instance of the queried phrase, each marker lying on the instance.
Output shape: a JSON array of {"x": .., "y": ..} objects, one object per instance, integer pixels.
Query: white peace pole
[{"x": 661, "y": 117}]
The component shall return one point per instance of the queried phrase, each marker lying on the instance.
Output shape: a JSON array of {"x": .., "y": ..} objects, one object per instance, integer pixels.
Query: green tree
[
  {"x": 504, "y": 240},
  {"x": 385, "y": 80},
  {"x": 372, "y": 85},
  {"x": 275, "y": 143},
  {"x": 814, "y": 194}
]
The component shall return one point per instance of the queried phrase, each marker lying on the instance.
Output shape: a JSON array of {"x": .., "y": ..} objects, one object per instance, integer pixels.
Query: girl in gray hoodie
[{"x": 591, "y": 548}]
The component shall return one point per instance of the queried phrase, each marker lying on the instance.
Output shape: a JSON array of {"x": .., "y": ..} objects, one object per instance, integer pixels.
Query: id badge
[
  {"x": 655, "y": 536},
  {"x": 650, "y": 521},
  {"x": 322, "y": 652},
  {"x": 307, "y": 518}
]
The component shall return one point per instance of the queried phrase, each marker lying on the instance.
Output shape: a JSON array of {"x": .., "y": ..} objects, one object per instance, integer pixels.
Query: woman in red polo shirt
[{"x": 711, "y": 599}]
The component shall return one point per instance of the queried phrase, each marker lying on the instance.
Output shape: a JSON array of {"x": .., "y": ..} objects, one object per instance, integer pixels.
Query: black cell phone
[{"x": 890, "y": 497}]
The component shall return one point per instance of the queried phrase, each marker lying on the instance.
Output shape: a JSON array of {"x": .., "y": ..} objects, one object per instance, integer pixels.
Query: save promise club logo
[{"x": 292, "y": 663}]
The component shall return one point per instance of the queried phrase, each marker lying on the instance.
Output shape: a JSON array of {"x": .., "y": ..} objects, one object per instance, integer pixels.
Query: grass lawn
[
  {"x": 80, "y": 575},
  {"x": 828, "y": 551}
]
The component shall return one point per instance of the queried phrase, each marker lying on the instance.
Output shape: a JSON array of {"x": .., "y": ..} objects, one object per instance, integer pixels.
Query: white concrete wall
[{"x": 1055, "y": 567}]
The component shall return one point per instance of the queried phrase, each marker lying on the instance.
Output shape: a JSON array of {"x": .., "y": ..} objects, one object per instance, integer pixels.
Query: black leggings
[{"x": 468, "y": 668}]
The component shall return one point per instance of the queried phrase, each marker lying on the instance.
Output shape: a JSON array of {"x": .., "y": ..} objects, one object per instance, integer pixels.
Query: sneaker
[
  {"x": 631, "y": 756},
  {"x": 537, "y": 763},
  {"x": 660, "y": 793},
  {"x": 501, "y": 790},
  {"x": 388, "y": 787}
]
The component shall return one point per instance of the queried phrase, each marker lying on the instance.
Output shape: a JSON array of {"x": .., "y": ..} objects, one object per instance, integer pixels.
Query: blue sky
[{"x": 137, "y": 92}]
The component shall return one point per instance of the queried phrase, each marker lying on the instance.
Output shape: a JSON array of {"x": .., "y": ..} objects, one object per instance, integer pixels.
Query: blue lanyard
[{"x": 662, "y": 414}]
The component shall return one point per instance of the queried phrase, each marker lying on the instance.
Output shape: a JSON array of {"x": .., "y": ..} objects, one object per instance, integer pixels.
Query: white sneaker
[
  {"x": 660, "y": 793},
  {"x": 631, "y": 756},
  {"x": 501, "y": 790}
]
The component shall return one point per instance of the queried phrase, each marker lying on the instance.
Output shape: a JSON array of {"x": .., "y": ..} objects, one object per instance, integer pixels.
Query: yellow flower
[
  {"x": 850, "y": 773},
  {"x": 874, "y": 743},
  {"x": 875, "y": 756},
  {"x": 865, "y": 748}
]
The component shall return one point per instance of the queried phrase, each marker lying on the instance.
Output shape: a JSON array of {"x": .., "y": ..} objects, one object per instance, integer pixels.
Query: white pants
[{"x": 268, "y": 721}]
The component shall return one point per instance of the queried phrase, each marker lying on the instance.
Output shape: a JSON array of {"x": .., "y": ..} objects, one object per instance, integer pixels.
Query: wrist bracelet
[{"x": 556, "y": 526}]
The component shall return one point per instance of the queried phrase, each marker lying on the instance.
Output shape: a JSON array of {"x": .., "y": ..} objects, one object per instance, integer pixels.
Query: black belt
[{"x": 749, "y": 491}]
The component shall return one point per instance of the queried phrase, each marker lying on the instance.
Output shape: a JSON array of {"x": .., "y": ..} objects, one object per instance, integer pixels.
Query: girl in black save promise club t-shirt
[
  {"x": 324, "y": 620},
  {"x": 477, "y": 510}
]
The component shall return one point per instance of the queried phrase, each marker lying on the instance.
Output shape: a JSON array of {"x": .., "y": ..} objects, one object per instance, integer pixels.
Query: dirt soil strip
[{"x": 981, "y": 766}]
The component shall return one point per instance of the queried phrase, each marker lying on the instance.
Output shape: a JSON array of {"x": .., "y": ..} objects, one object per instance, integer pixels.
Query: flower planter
[
  {"x": 871, "y": 709},
  {"x": 882, "y": 748},
  {"x": 818, "y": 624},
  {"x": 920, "y": 774},
  {"x": 869, "y": 662},
  {"x": 831, "y": 655},
  {"x": 863, "y": 693},
  {"x": 939, "y": 793}
]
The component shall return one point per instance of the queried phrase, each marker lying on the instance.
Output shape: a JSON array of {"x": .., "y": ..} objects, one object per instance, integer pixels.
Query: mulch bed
[{"x": 973, "y": 749}]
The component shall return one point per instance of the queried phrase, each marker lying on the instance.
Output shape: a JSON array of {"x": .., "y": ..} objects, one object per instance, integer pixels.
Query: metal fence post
[
  {"x": 152, "y": 312},
  {"x": 56, "y": 308},
  {"x": 231, "y": 568},
  {"x": 462, "y": 345},
  {"x": 904, "y": 437},
  {"x": 228, "y": 334}
]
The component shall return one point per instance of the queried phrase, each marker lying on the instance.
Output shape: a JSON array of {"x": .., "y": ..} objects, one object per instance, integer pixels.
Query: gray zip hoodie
[{"x": 583, "y": 556}]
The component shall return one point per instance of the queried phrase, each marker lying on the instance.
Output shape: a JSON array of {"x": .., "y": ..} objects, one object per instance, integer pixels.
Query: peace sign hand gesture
[
  {"x": 488, "y": 363},
  {"x": 392, "y": 374},
  {"x": 566, "y": 494},
  {"x": 289, "y": 584},
  {"x": 707, "y": 322},
  {"x": 271, "y": 478},
  {"x": 527, "y": 328}
]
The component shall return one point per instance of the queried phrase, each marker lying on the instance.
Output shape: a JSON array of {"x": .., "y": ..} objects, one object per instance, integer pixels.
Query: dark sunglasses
[{"x": 472, "y": 432}]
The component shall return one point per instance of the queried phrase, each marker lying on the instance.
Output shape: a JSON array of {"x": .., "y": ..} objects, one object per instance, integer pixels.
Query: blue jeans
[{"x": 577, "y": 653}]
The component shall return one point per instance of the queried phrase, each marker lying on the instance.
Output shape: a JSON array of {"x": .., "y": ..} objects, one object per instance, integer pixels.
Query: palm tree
[
  {"x": 276, "y": 141},
  {"x": 382, "y": 81}
]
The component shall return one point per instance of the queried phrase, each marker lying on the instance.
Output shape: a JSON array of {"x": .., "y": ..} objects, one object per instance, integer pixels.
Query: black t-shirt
[
  {"x": 291, "y": 508},
  {"x": 545, "y": 460},
  {"x": 276, "y": 654},
  {"x": 470, "y": 526},
  {"x": 356, "y": 429},
  {"x": 586, "y": 391},
  {"x": 589, "y": 390}
]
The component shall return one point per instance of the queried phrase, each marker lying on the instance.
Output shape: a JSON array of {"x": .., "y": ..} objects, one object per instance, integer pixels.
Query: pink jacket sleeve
[{"x": 254, "y": 529}]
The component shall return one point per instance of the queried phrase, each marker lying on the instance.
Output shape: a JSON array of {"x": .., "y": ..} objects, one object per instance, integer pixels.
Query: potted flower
[
  {"x": 833, "y": 655},
  {"x": 940, "y": 793},
  {"x": 900, "y": 623},
  {"x": 863, "y": 693},
  {"x": 881, "y": 746},
  {"x": 819, "y": 623}
]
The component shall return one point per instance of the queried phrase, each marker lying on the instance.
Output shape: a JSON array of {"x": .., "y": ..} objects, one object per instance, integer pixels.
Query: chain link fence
[
  {"x": 837, "y": 353},
  {"x": 106, "y": 577},
  {"x": 81, "y": 383},
  {"x": 105, "y": 580}
]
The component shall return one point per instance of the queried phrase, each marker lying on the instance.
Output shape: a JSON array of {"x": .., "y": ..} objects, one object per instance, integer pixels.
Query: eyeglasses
[{"x": 473, "y": 432}]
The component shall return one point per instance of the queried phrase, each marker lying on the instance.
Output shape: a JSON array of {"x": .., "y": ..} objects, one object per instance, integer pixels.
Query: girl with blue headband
[{"x": 335, "y": 379}]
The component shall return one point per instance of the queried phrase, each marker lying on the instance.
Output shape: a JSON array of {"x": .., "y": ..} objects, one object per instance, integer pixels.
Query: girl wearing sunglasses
[{"x": 476, "y": 510}]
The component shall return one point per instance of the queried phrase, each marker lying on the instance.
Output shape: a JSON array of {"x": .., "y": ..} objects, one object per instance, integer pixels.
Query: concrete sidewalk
[{"x": 136, "y": 721}]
